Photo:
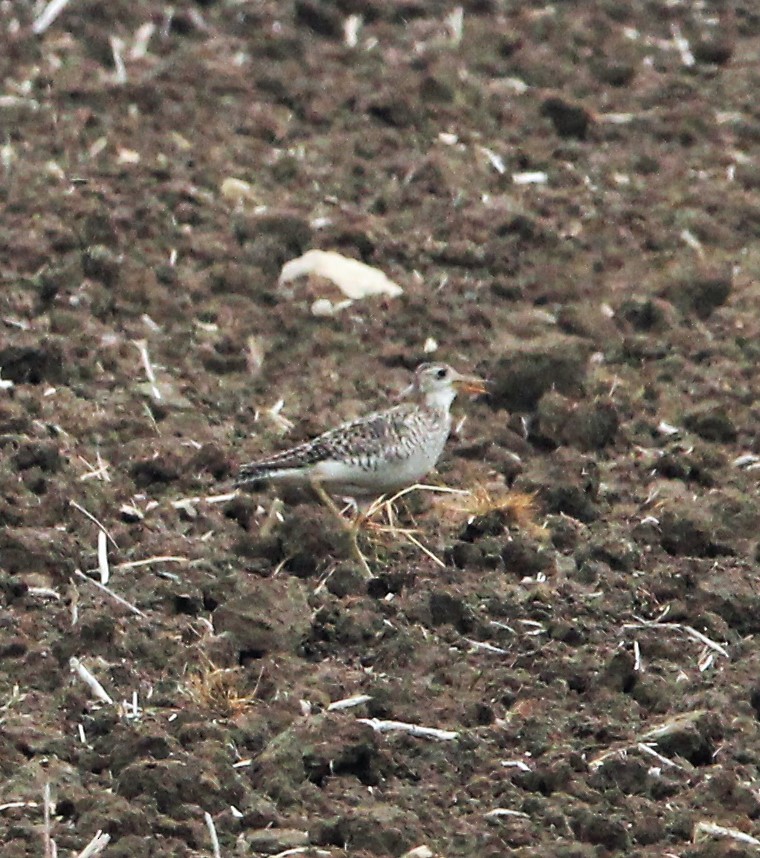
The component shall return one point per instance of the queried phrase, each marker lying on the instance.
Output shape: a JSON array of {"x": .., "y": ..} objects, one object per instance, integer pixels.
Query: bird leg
[
  {"x": 321, "y": 493},
  {"x": 351, "y": 527}
]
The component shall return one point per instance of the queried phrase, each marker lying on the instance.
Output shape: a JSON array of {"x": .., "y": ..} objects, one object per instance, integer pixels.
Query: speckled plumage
[{"x": 379, "y": 453}]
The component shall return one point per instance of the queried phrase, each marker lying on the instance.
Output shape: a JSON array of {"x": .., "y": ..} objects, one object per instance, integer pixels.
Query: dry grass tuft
[
  {"x": 219, "y": 689},
  {"x": 514, "y": 508},
  {"x": 517, "y": 508}
]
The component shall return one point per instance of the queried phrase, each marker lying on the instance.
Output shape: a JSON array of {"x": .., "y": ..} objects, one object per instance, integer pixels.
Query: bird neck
[{"x": 440, "y": 400}]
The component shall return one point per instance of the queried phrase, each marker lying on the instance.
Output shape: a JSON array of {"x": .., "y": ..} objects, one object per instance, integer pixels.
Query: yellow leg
[
  {"x": 321, "y": 493},
  {"x": 352, "y": 528}
]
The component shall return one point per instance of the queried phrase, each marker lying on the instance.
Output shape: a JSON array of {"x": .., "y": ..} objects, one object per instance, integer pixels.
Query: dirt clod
[
  {"x": 700, "y": 293},
  {"x": 559, "y": 663},
  {"x": 33, "y": 364},
  {"x": 518, "y": 380},
  {"x": 569, "y": 120},
  {"x": 266, "y": 618},
  {"x": 712, "y": 423}
]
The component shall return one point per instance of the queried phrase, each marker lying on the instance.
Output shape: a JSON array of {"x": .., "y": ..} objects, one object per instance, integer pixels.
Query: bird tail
[
  {"x": 288, "y": 465},
  {"x": 251, "y": 476}
]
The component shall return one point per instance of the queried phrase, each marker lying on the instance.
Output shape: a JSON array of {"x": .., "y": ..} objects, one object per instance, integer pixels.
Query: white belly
[{"x": 380, "y": 477}]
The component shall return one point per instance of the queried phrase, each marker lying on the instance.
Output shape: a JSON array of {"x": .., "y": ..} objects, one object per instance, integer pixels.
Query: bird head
[{"x": 438, "y": 383}]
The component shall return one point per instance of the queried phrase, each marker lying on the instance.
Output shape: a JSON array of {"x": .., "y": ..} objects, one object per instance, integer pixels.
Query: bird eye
[{"x": 442, "y": 372}]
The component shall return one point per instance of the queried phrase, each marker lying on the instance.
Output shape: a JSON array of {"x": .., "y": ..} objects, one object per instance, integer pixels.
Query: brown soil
[{"x": 597, "y": 661}]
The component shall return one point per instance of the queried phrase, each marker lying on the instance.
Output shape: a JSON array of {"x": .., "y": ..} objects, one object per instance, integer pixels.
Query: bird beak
[{"x": 470, "y": 384}]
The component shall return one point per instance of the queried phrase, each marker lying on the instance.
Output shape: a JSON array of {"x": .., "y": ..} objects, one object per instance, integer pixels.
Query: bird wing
[{"x": 388, "y": 434}]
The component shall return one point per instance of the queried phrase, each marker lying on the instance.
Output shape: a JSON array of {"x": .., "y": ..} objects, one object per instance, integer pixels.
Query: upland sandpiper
[{"x": 380, "y": 453}]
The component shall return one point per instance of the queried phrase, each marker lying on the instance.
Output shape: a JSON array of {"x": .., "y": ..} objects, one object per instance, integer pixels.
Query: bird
[{"x": 371, "y": 456}]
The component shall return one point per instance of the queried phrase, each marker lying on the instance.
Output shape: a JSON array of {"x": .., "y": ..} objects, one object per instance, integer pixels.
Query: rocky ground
[{"x": 569, "y": 196}]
